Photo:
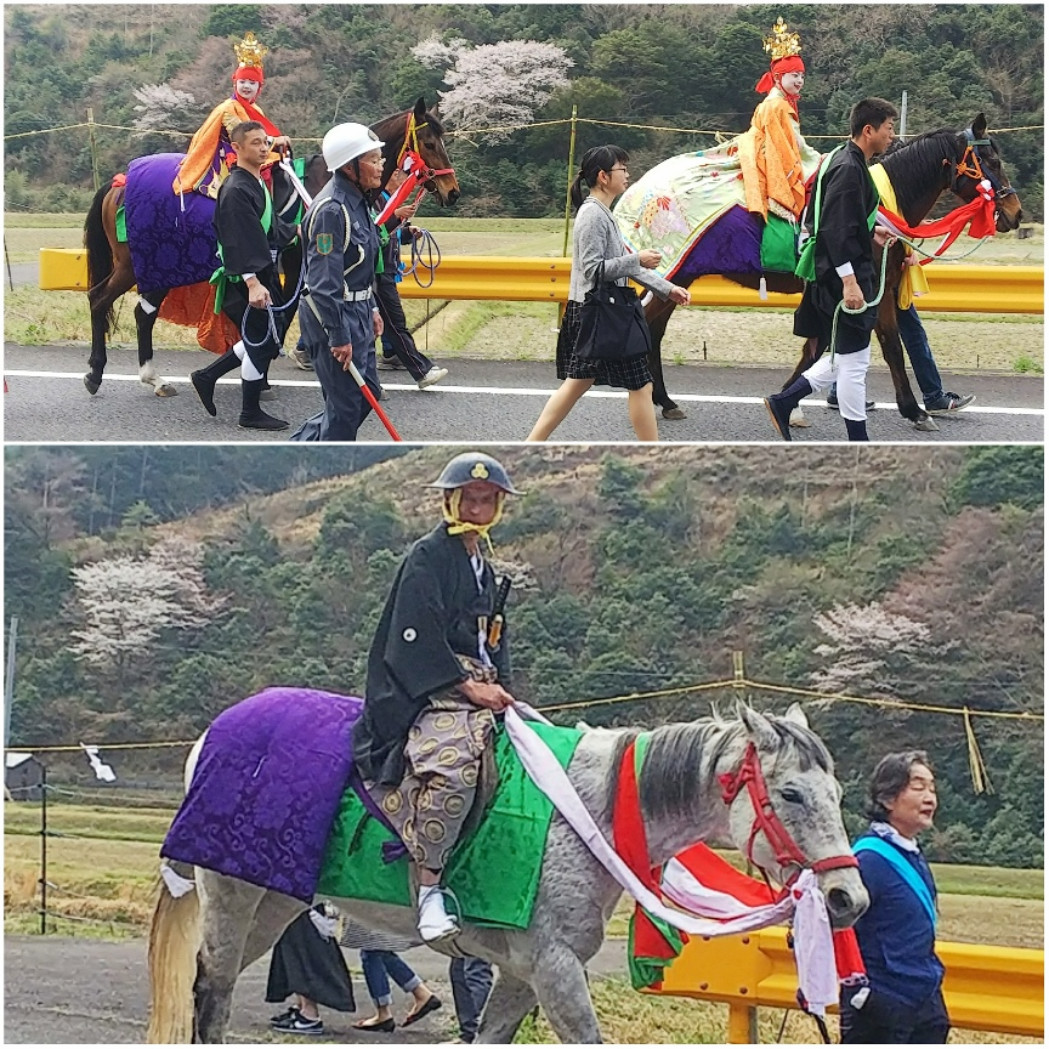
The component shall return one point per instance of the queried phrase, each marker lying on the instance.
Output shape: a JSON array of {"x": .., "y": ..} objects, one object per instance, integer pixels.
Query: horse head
[
  {"x": 421, "y": 130},
  {"x": 785, "y": 808},
  {"x": 980, "y": 160}
]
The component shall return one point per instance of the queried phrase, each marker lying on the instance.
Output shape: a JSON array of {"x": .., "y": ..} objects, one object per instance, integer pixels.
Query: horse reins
[{"x": 766, "y": 822}]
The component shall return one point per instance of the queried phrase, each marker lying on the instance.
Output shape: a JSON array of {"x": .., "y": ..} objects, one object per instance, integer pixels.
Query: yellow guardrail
[
  {"x": 955, "y": 289},
  {"x": 997, "y": 989}
]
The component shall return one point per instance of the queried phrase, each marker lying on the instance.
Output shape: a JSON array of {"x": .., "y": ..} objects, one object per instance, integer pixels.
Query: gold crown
[
  {"x": 782, "y": 44},
  {"x": 250, "y": 52}
]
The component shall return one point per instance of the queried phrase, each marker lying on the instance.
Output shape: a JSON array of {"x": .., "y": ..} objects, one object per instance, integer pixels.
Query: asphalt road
[
  {"x": 479, "y": 401},
  {"x": 60, "y": 990}
]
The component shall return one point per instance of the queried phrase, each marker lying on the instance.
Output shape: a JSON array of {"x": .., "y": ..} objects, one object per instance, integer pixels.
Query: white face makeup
[
  {"x": 247, "y": 89},
  {"x": 792, "y": 83}
]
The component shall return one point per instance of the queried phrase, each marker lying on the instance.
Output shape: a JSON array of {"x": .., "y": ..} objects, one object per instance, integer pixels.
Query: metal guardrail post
[{"x": 742, "y": 1024}]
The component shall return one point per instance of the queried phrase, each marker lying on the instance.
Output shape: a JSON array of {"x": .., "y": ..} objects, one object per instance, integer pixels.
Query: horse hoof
[
  {"x": 91, "y": 384},
  {"x": 165, "y": 389},
  {"x": 798, "y": 420},
  {"x": 926, "y": 424},
  {"x": 674, "y": 413}
]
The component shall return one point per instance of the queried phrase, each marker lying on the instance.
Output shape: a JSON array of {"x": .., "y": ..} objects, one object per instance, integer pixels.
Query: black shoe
[
  {"x": 298, "y": 1024},
  {"x": 832, "y": 402},
  {"x": 259, "y": 420},
  {"x": 386, "y": 1026},
  {"x": 779, "y": 413},
  {"x": 292, "y": 1010},
  {"x": 389, "y": 364},
  {"x": 205, "y": 388},
  {"x": 950, "y": 403}
]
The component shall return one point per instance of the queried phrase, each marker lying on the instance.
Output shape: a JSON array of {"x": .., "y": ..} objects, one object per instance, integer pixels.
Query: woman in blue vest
[{"x": 897, "y": 935}]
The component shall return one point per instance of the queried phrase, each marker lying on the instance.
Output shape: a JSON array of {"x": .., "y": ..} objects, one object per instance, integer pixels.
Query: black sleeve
[{"x": 842, "y": 223}]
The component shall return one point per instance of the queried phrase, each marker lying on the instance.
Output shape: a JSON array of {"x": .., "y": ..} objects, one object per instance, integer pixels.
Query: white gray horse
[{"x": 201, "y": 941}]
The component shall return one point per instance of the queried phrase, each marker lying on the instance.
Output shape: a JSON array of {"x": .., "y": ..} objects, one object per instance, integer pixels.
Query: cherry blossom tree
[
  {"x": 162, "y": 107},
  {"x": 495, "y": 84},
  {"x": 863, "y": 642},
  {"x": 124, "y": 603}
]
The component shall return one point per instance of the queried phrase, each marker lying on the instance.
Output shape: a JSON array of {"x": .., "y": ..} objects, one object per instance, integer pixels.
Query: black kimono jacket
[
  {"x": 246, "y": 247},
  {"x": 431, "y": 615},
  {"x": 843, "y": 235}
]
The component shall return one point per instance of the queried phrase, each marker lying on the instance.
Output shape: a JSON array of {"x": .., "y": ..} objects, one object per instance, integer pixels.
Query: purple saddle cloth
[
  {"x": 170, "y": 247},
  {"x": 732, "y": 244},
  {"x": 265, "y": 791}
]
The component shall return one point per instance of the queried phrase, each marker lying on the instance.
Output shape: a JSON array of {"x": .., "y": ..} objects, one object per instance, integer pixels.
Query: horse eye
[{"x": 792, "y": 795}]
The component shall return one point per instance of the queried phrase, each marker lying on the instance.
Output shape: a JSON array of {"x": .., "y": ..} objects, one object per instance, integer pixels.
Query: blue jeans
[
  {"x": 471, "y": 980},
  {"x": 376, "y": 966},
  {"x": 916, "y": 343}
]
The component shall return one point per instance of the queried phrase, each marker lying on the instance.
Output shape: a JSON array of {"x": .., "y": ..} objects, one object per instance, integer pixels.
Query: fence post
[
  {"x": 43, "y": 849},
  {"x": 742, "y": 1024},
  {"x": 571, "y": 175},
  {"x": 94, "y": 147}
]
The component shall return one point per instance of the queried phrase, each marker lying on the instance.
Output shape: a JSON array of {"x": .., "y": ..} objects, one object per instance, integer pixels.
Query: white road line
[{"x": 506, "y": 391}]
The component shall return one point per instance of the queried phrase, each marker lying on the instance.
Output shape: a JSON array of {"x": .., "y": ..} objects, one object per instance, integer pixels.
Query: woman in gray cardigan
[{"x": 597, "y": 239}]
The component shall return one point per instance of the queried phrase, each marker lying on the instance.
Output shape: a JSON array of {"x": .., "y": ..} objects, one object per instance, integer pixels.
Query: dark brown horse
[
  {"x": 920, "y": 171},
  {"x": 110, "y": 271}
]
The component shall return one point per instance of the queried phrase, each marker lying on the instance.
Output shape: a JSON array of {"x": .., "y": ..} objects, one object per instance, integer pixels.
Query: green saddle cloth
[
  {"x": 779, "y": 241},
  {"x": 494, "y": 873}
]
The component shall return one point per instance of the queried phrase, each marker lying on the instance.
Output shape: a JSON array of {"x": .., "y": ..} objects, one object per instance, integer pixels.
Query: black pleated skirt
[
  {"x": 632, "y": 374},
  {"x": 306, "y": 963}
]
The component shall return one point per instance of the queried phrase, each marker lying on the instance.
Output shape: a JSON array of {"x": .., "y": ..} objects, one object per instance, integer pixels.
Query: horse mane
[
  {"x": 914, "y": 164},
  {"x": 670, "y": 782}
]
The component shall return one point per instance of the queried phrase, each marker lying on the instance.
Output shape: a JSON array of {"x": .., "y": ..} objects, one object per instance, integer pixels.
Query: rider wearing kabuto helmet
[{"x": 436, "y": 675}]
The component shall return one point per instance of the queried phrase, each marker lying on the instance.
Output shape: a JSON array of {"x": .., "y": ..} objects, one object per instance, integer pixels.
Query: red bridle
[{"x": 767, "y": 822}]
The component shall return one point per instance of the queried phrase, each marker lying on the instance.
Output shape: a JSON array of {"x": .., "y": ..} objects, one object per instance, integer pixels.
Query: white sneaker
[
  {"x": 435, "y": 923},
  {"x": 435, "y": 374},
  {"x": 300, "y": 357}
]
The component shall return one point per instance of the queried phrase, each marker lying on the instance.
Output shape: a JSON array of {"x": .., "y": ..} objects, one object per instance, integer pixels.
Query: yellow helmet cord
[{"x": 450, "y": 510}]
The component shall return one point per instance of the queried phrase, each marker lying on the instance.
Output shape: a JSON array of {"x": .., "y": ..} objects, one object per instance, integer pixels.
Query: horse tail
[
  {"x": 99, "y": 253},
  {"x": 174, "y": 941}
]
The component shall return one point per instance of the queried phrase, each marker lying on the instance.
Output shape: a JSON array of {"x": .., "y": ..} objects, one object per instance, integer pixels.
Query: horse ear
[
  {"x": 420, "y": 108},
  {"x": 758, "y": 727},
  {"x": 980, "y": 126},
  {"x": 796, "y": 714}
]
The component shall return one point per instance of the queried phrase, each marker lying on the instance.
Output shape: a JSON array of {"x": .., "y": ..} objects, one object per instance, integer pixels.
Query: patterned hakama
[{"x": 429, "y": 807}]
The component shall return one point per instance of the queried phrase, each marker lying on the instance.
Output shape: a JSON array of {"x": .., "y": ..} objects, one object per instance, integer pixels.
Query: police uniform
[{"x": 342, "y": 247}]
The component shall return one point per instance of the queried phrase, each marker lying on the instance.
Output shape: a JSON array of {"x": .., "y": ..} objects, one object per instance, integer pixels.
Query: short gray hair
[{"x": 890, "y": 777}]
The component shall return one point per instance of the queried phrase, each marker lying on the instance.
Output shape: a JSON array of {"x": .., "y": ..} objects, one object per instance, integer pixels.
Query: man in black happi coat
[
  {"x": 250, "y": 235},
  {"x": 845, "y": 207},
  {"x": 436, "y": 675}
]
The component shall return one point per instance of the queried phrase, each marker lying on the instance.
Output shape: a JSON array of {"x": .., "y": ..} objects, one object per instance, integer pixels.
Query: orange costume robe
[
  {"x": 210, "y": 155},
  {"x": 775, "y": 160}
]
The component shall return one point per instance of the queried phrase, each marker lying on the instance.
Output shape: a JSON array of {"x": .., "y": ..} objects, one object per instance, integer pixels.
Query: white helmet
[{"x": 345, "y": 142}]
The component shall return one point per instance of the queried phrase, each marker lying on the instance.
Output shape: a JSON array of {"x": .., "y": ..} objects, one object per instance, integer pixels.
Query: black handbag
[{"x": 612, "y": 325}]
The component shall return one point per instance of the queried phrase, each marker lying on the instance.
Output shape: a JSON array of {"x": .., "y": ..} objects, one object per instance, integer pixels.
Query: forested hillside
[
  {"x": 902, "y": 574},
  {"x": 685, "y": 66}
]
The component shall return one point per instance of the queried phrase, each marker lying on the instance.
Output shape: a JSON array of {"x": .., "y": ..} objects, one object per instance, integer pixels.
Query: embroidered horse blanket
[
  {"x": 271, "y": 803},
  {"x": 171, "y": 238},
  {"x": 691, "y": 208}
]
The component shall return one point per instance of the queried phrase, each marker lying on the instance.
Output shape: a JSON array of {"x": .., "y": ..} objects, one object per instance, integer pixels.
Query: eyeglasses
[{"x": 610, "y": 170}]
